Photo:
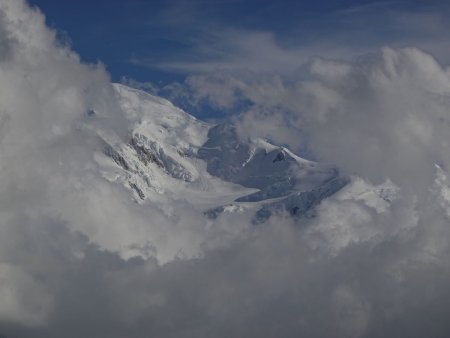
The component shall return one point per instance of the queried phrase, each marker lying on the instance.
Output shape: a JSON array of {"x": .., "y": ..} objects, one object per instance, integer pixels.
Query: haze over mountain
[{"x": 122, "y": 215}]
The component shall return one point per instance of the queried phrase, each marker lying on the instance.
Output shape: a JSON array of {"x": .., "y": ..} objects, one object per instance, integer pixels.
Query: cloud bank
[{"x": 355, "y": 270}]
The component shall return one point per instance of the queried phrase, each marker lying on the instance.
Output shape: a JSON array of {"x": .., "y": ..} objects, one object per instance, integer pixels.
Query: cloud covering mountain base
[{"x": 354, "y": 270}]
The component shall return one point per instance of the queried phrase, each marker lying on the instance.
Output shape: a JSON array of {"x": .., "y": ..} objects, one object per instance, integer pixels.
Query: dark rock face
[
  {"x": 280, "y": 157},
  {"x": 116, "y": 157},
  {"x": 139, "y": 192},
  {"x": 145, "y": 154},
  {"x": 150, "y": 152}
]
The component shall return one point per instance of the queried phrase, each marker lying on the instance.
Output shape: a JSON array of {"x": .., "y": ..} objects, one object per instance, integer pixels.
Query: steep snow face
[
  {"x": 162, "y": 133},
  {"x": 171, "y": 156},
  {"x": 160, "y": 120},
  {"x": 159, "y": 161}
]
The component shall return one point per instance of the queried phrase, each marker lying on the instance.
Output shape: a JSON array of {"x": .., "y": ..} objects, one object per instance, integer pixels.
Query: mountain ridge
[{"x": 170, "y": 155}]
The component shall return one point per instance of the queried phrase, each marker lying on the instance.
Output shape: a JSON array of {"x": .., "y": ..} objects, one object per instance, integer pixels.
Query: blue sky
[
  {"x": 118, "y": 31},
  {"x": 169, "y": 41}
]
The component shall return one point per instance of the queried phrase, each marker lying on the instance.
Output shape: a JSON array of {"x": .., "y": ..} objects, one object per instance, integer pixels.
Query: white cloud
[{"x": 355, "y": 270}]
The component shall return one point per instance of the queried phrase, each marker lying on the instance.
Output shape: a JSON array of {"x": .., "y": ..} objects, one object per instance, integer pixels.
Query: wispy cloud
[
  {"x": 217, "y": 44},
  {"x": 367, "y": 7}
]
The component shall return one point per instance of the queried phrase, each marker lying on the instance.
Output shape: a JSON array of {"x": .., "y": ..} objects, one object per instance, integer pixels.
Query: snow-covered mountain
[{"x": 171, "y": 156}]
